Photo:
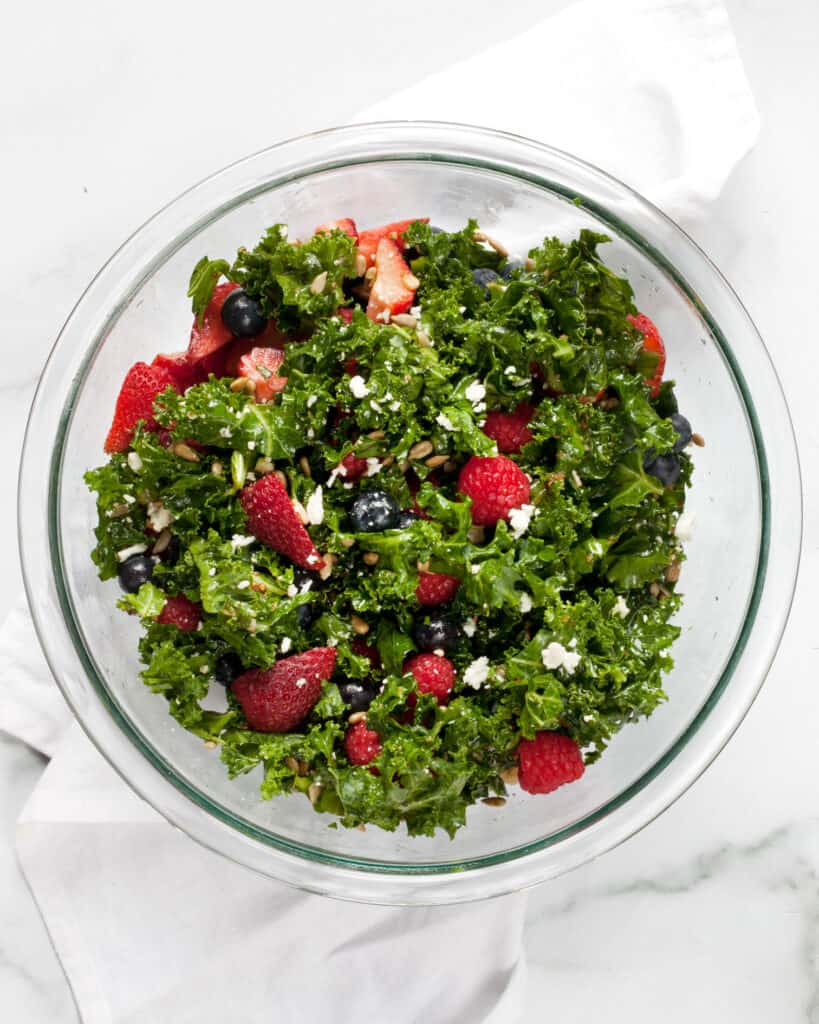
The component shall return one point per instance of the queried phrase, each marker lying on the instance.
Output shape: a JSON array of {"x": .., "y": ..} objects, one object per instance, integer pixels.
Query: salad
[{"x": 403, "y": 522}]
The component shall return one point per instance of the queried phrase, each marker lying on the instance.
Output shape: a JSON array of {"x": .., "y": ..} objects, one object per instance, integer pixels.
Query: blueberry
[
  {"x": 227, "y": 668},
  {"x": 135, "y": 571},
  {"x": 306, "y": 615},
  {"x": 170, "y": 556},
  {"x": 435, "y": 633},
  {"x": 374, "y": 511},
  {"x": 510, "y": 267},
  {"x": 356, "y": 694},
  {"x": 683, "y": 428},
  {"x": 484, "y": 276},
  {"x": 303, "y": 580},
  {"x": 406, "y": 519},
  {"x": 242, "y": 315},
  {"x": 666, "y": 468}
]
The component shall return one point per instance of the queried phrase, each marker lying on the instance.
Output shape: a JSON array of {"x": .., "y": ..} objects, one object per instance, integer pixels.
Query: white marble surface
[{"x": 712, "y": 912}]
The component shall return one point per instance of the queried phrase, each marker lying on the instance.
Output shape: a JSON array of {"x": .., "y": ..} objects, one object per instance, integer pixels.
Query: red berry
[
  {"x": 272, "y": 519},
  {"x": 436, "y": 588},
  {"x": 510, "y": 430},
  {"x": 260, "y": 366},
  {"x": 354, "y": 468},
  {"x": 359, "y": 646},
  {"x": 652, "y": 342},
  {"x": 345, "y": 224},
  {"x": 362, "y": 744},
  {"x": 368, "y": 240},
  {"x": 211, "y": 334},
  {"x": 496, "y": 485},
  {"x": 345, "y": 313},
  {"x": 433, "y": 673},
  {"x": 393, "y": 290},
  {"x": 278, "y": 698},
  {"x": 182, "y": 613},
  {"x": 182, "y": 368},
  {"x": 548, "y": 761},
  {"x": 136, "y": 402}
]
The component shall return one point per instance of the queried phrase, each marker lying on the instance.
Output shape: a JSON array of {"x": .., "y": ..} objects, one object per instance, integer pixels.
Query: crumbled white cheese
[
  {"x": 476, "y": 673},
  {"x": 509, "y": 371},
  {"x": 292, "y": 590},
  {"x": 301, "y": 682},
  {"x": 212, "y": 572},
  {"x": 416, "y": 312},
  {"x": 575, "y": 476},
  {"x": 311, "y": 401},
  {"x": 287, "y": 643},
  {"x": 469, "y": 626},
  {"x": 312, "y": 559},
  {"x": 525, "y": 603},
  {"x": 474, "y": 569},
  {"x": 475, "y": 393},
  {"x": 519, "y": 519},
  {"x": 444, "y": 421},
  {"x": 225, "y": 432},
  {"x": 158, "y": 516},
  {"x": 243, "y": 584},
  {"x": 375, "y": 406},
  {"x": 129, "y": 499},
  {"x": 134, "y": 549},
  {"x": 358, "y": 386},
  {"x": 554, "y": 655},
  {"x": 685, "y": 526},
  {"x": 251, "y": 446},
  {"x": 134, "y": 462},
  {"x": 310, "y": 433},
  {"x": 384, "y": 317},
  {"x": 315, "y": 507},
  {"x": 620, "y": 607},
  {"x": 373, "y": 466}
]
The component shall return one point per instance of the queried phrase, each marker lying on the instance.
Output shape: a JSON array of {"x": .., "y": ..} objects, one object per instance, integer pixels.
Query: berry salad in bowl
[
  {"x": 402, "y": 522},
  {"x": 367, "y": 523}
]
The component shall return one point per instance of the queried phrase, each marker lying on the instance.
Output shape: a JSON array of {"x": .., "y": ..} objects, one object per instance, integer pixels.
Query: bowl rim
[{"x": 48, "y": 591}]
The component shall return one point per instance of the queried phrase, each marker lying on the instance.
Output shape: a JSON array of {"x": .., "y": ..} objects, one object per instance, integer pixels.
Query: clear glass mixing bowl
[{"x": 738, "y": 580}]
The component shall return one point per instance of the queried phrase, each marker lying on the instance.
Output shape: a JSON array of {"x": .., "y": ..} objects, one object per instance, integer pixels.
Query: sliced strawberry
[
  {"x": 184, "y": 370},
  {"x": 135, "y": 402},
  {"x": 652, "y": 342},
  {"x": 211, "y": 334},
  {"x": 393, "y": 289},
  {"x": 368, "y": 240},
  {"x": 345, "y": 224},
  {"x": 278, "y": 698},
  {"x": 260, "y": 365},
  {"x": 272, "y": 519}
]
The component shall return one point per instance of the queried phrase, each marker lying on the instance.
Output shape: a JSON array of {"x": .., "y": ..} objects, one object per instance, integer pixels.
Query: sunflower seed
[
  {"x": 360, "y": 264},
  {"x": 319, "y": 283},
  {"x": 510, "y": 775},
  {"x": 216, "y": 467},
  {"x": 410, "y": 281},
  {"x": 494, "y": 801},
  {"x": 359, "y": 625},
  {"x": 326, "y": 572},
  {"x": 370, "y": 557},
  {"x": 184, "y": 451},
  {"x": 356, "y": 717},
  {"x": 162, "y": 543},
  {"x": 404, "y": 320},
  {"x": 423, "y": 339},
  {"x": 501, "y": 250},
  {"x": 436, "y": 460},
  {"x": 313, "y": 792},
  {"x": 421, "y": 449},
  {"x": 304, "y": 466},
  {"x": 264, "y": 466},
  {"x": 698, "y": 440}
]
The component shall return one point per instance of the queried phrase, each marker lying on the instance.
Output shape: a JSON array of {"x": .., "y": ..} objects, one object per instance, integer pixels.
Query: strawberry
[
  {"x": 344, "y": 224},
  {"x": 136, "y": 402},
  {"x": 182, "y": 613},
  {"x": 361, "y": 744},
  {"x": 278, "y": 698},
  {"x": 260, "y": 365},
  {"x": 272, "y": 519},
  {"x": 182, "y": 368},
  {"x": 393, "y": 289},
  {"x": 652, "y": 342},
  {"x": 433, "y": 674},
  {"x": 496, "y": 485},
  {"x": 510, "y": 430},
  {"x": 368, "y": 240},
  {"x": 548, "y": 761},
  {"x": 211, "y": 334},
  {"x": 353, "y": 467},
  {"x": 435, "y": 588}
]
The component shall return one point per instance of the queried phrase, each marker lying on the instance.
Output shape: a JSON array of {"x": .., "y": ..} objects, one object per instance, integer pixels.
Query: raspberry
[
  {"x": 345, "y": 313},
  {"x": 496, "y": 485},
  {"x": 211, "y": 334},
  {"x": 354, "y": 468},
  {"x": 278, "y": 698},
  {"x": 548, "y": 761},
  {"x": 359, "y": 646},
  {"x": 435, "y": 588},
  {"x": 362, "y": 744},
  {"x": 272, "y": 520},
  {"x": 433, "y": 674},
  {"x": 182, "y": 613},
  {"x": 136, "y": 402},
  {"x": 510, "y": 430}
]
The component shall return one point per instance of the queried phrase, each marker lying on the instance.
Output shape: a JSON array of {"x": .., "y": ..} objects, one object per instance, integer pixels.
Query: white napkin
[{"x": 151, "y": 927}]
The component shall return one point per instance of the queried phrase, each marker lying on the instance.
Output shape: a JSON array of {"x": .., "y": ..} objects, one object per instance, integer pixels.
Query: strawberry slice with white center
[
  {"x": 211, "y": 334},
  {"x": 368, "y": 240},
  {"x": 345, "y": 224},
  {"x": 393, "y": 289},
  {"x": 260, "y": 366}
]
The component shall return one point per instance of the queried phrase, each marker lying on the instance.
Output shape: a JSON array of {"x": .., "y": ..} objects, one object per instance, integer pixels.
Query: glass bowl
[{"x": 742, "y": 558}]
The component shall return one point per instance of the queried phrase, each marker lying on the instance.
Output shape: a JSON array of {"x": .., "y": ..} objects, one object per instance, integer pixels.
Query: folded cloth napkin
[{"x": 151, "y": 927}]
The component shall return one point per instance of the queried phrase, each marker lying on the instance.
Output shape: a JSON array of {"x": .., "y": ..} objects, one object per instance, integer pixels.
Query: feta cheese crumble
[
  {"x": 315, "y": 507},
  {"x": 158, "y": 516},
  {"x": 519, "y": 520},
  {"x": 554, "y": 656},
  {"x": 286, "y": 644},
  {"x": 443, "y": 420},
  {"x": 476, "y": 673},
  {"x": 469, "y": 626},
  {"x": 685, "y": 526},
  {"x": 475, "y": 393},
  {"x": 620, "y": 607},
  {"x": 134, "y": 549},
  {"x": 134, "y": 462},
  {"x": 373, "y": 466},
  {"x": 525, "y": 603},
  {"x": 240, "y": 540},
  {"x": 358, "y": 386}
]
